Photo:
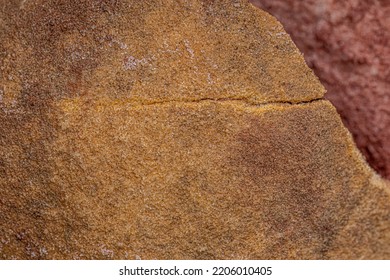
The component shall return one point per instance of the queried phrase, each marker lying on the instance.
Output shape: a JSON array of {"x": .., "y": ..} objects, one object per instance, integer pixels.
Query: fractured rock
[
  {"x": 173, "y": 130},
  {"x": 346, "y": 43}
]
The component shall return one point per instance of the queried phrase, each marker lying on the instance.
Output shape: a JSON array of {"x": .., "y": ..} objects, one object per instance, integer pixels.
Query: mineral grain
[
  {"x": 347, "y": 44},
  {"x": 173, "y": 130}
]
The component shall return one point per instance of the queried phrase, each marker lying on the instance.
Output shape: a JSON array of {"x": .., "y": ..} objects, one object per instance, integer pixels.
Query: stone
[
  {"x": 173, "y": 130},
  {"x": 346, "y": 43}
]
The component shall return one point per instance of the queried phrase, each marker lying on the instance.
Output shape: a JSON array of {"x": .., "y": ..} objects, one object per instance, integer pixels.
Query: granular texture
[
  {"x": 173, "y": 130},
  {"x": 347, "y": 44}
]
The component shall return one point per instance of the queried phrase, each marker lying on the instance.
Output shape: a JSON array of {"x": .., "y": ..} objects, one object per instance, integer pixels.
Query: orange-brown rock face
[
  {"x": 173, "y": 130},
  {"x": 347, "y": 44}
]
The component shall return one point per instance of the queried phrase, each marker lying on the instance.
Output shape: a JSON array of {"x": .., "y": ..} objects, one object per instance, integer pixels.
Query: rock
[
  {"x": 347, "y": 45},
  {"x": 173, "y": 130}
]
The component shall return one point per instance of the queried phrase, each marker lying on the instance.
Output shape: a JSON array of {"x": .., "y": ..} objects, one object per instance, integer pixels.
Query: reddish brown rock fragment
[
  {"x": 347, "y": 44},
  {"x": 133, "y": 136}
]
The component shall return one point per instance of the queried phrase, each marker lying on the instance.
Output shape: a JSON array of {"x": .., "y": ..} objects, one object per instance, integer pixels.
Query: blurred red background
[{"x": 347, "y": 44}]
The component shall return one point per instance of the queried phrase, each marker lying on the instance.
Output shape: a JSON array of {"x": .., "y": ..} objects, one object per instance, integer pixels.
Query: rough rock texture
[
  {"x": 173, "y": 130},
  {"x": 347, "y": 44}
]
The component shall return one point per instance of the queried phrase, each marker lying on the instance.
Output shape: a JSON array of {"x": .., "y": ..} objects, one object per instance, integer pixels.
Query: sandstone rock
[
  {"x": 173, "y": 130},
  {"x": 347, "y": 44}
]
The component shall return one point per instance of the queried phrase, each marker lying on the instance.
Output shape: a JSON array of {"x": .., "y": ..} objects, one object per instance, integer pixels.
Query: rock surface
[
  {"x": 173, "y": 130},
  {"x": 347, "y": 44}
]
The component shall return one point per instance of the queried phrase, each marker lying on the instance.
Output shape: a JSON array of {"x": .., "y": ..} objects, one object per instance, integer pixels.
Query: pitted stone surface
[{"x": 173, "y": 130}]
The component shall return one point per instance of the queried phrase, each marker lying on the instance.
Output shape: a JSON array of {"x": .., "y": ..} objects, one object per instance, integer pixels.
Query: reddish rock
[
  {"x": 347, "y": 44},
  {"x": 173, "y": 130}
]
